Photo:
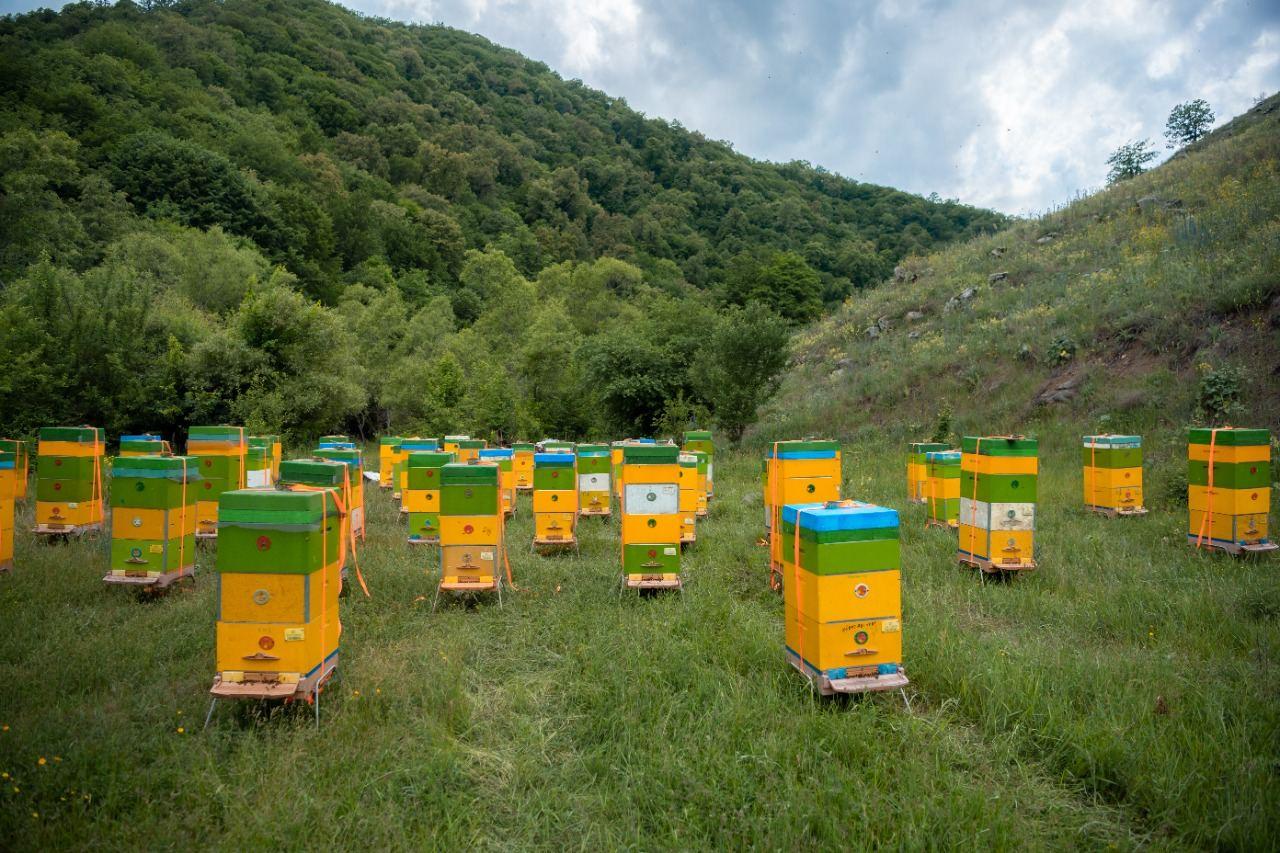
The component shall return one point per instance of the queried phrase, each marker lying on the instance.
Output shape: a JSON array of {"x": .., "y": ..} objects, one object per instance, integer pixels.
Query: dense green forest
[{"x": 286, "y": 215}]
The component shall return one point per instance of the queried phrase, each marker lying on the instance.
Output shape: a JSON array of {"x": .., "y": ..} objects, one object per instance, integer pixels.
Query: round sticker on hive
[
  {"x": 861, "y": 590},
  {"x": 139, "y": 486},
  {"x": 861, "y": 638},
  {"x": 136, "y": 553},
  {"x": 652, "y": 496},
  {"x": 555, "y": 473},
  {"x": 468, "y": 529},
  {"x": 264, "y": 543},
  {"x": 208, "y": 463},
  {"x": 653, "y": 552},
  {"x": 137, "y": 521},
  {"x": 261, "y": 596},
  {"x": 57, "y": 487},
  {"x": 653, "y": 522},
  {"x": 57, "y": 463},
  {"x": 208, "y": 485}
]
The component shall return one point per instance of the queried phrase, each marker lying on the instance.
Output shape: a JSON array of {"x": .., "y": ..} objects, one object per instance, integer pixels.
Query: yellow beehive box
[
  {"x": 689, "y": 496},
  {"x": 70, "y": 480},
  {"x": 651, "y": 519},
  {"x": 796, "y": 472}
]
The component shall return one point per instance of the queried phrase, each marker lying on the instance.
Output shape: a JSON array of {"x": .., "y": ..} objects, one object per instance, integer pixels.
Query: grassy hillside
[{"x": 1148, "y": 305}]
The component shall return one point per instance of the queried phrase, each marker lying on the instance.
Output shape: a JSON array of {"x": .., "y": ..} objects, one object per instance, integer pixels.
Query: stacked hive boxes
[
  {"x": 504, "y": 458},
  {"x": 336, "y": 441},
  {"x": 153, "y": 519},
  {"x": 689, "y": 494},
  {"x": 1113, "y": 474},
  {"x": 916, "y": 471},
  {"x": 843, "y": 594},
  {"x": 998, "y": 477},
  {"x": 522, "y": 463},
  {"x": 69, "y": 480},
  {"x": 700, "y": 440},
  {"x": 555, "y": 499},
  {"x": 703, "y": 462},
  {"x": 1229, "y": 489},
  {"x": 145, "y": 444},
  {"x": 615, "y": 464},
  {"x": 551, "y": 445},
  {"x": 452, "y": 443},
  {"x": 401, "y": 473},
  {"x": 8, "y": 489},
  {"x": 471, "y": 526},
  {"x": 797, "y": 472},
  {"x": 323, "y": 475},
  {"x": 469, "y": 448},
  {"x": 388, "y": 455},
  {"x": 651, "y": 516},
  {"x": 222, "y": 451},
  {"x": 262, "y": 465},
  {"x": 21, "y": 464},
  {"x": 594, "y": 496},
  {"x": 422, "y": 494},
  {"x": 353, "y": 487},
  {"x": 942, "y": 488},
  {"x": 280, "y": 555}
]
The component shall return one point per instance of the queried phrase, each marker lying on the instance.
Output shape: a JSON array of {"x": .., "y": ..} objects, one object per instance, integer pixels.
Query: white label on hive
[
  {"x": 652, "y": 499},
  {"x": 688, "y": 521},
  {"x": 890, "y": 626},
  {"x": 593, "y": 482},
  {"x": 486, "y": 555},
  {"x": 257, "y": 479},
  {"x": 72, "y": 505},
  {"x": 709, "y": 470},
  {"x": 669, "y": 552},
  {"x": 998, "y": 516},
  {"x": 294, "y": 635}
]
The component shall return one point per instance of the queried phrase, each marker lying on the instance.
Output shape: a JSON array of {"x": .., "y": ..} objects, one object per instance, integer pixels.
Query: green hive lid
[
  {"x": 263, "y": 505},
  {"x": 452, "y": 438},
  {"x": 1000, "y": 445},
  {"x": 353, "y": 457},
  {"x": 927, "y": 446},
  {"x": 702, "y": 458},
  {"x": 472, "y": 443},
  {"x": 1227, "y": 436},
  {"x": 651, "y": 454},
  {"x": 460, "y": 473},
  {"x": 82, "y": 434},
  {"x": 1108, "y": 441},
  {"x": 688, "y": 460},
  {"x": 157, "y": 467},
  {"x": 335, "y": 438},
  {"x": 265, "y": 441},
  {"x": 390, "y": 440},
  {"x": 215, "y": 433},
  {"x": 523, "y": 446},
  {"x": 592, "y": 449},
  {"x": 697, "y": 435},
  {"x": 429, "y": 459},
  {"x": 313, "y": 472}
]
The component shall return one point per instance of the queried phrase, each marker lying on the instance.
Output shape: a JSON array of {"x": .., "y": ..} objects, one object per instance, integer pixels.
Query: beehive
[
  {"x": 335, "y": 441},
  {"x": 262, "y": 462},
  {"x": 401, "y": 470},
  {"x": 555, "y": 499},
  {"x": 153, "y": 519},
  {"x": 1229, "y": 489},
  {"x": 916, "y": 472},
  {"x": 471, "y": 526},
  {"x": 594, "y": 480},
  {"x": 69, "y": 480},
  {"x": 805, "y": 471},
  {"x": 280, "y": 555},
  {"x": 551, "y": 445},
  {"x": 522, "y": 463},
  {"x": 843, "y": 594},
  {"x": 452, "y": 443},
  {"x": 1112, "y": 474},
  {"x": 701, "y": 441},
  {"x": 21, "y": 465},
  {"x": 144, "y": 444},
  {"x": 222, "y": 451},
  {"x": 998, "y": 480},
  {"x": 323, "y": 474},
  {"x": 651, "y": 516},
  {"x": 353, "y": 489},
  {"x": 388, "y": 455},
  {"x": 469, "y": 449},
  {"x": 703, "y": 462},
  {"x": 422, "y": 494},
  {"x": 8, "y": 490},
  {"x": 689, "y": 493},
  {"x": 504, "y": 458},
  {"x": 615, "y": 465},
  {"x": 942, "y": 488}
]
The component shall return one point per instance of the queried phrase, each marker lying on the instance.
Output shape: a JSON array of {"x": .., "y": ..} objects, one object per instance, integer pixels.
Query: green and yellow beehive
[
  {"x": 842, "y": 594},
  {"x": 594, "y": 480},
  {"x": 353, "y": 488},
  {"x": 998, "y": 494},
  {"x": 689, "y": 494},
  {"x": 21, "y": 465},
  {"x": 700, "y": 440},
  {"x": 422, "y": 494},
  {"x": 916, "y": 472},
  {"x": 400, "y": 472},
  {"x": 1229, "y": 489},
  {"x": 942, "y": 488},
  {"x": 388, "y": 455},
  {"x": 471, "y": 526},
  {"x": 8, "y": 489},
  {"x": 223, "y": 452},
  {"x": 798, "y": 471},
  {"x": 279, "y": 562},
  {"x": 153, "y": 520},
  {"x": 555, "y": 499},
  {"x": 70, "y": 480},
  {"x": 453, "y": 443},
  {"x": 651, "y": 516},
  {"x": 522, "y": 463},
  {"x": 144, "y": 444},
  {"x": 1112, "y": 474},
  {"x": 262, "y": 461}
]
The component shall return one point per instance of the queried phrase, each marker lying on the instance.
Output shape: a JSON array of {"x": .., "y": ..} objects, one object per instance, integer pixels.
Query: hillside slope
[{"x": 1150, "y": 304}]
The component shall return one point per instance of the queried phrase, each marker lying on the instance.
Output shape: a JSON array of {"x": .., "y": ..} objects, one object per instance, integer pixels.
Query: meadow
[{"x": 1124, "y": 695}]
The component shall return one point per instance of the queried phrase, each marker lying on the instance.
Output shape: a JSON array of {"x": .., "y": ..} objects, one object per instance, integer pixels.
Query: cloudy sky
[{"x": 1012, "y": 105}]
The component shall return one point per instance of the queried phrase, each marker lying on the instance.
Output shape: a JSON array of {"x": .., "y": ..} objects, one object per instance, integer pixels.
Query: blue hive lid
[
  {"x": 564, "y": 459},
  {"x": 942, "y": 456},
  {"x": 496, "y": 453},
  {"x": 852, "y": 516}
]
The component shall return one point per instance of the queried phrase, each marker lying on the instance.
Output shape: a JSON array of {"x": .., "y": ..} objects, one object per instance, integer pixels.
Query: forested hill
[{"x": 355, "y": 154}]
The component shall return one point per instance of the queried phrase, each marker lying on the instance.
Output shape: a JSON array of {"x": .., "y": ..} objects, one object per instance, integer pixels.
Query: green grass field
[{"x": 1124, "y": 695}]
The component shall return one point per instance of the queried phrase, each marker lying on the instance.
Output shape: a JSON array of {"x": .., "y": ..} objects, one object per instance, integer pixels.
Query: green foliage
[
  {"x": 1219, "y": 393},
  {"x": 1188, "y": 122},
  {"x": 783, "y": 282},
  {"x": 1129, "y": 160},
  {"x": 1061, "y": 350},
  {"x": 943, "y": 428},
  {"x": 745, "y": 351}
]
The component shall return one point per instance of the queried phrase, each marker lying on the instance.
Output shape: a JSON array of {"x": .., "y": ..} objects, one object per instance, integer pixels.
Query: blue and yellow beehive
[
  {"x": 280, "y": 557},
  {"x": 353, "y": 488},
  {"x": 522, "y": 464},
  {"x": 153, "y": 520},
  {"x": 471, "y": 527},
  {"x": 689, "y": 495},
  {"x": 1229, "y": 489},
  {"x": 998, "y": 494},
  {"x": 1112, "y": 474},
  {"x": 144, "y": 444},
  {"x": 8, "y": 490},
  {"x": 388, "y": 454},
  {"x": 401, "y": 470},
  {"x": 223, "y": 454},
  {"x": 555, "y": 499},
  {"x": 21, "y": 465},
  {"x": 843, "y": 595},
  {"x": 70, "y": 485},
  {"x": 504, "y": 458},
  {"x": 700, "y": 440},
  {"x": 916, "y": 470},
  {"x": 422, "y": 494},
  {"x": 651, "y": 516},
  {"x": 805, "y": 471},
  {"x": 942, "y": 488},
  {"x": 594, "y": 480}
]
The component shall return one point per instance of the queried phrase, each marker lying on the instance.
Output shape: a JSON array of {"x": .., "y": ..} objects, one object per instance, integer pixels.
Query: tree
[
  {"x": 745, "y": 352},
  {"x": 1188, "y": 122},
  {"x": 1129, "y": 161},
  {"x": 783, "y": 282}
]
